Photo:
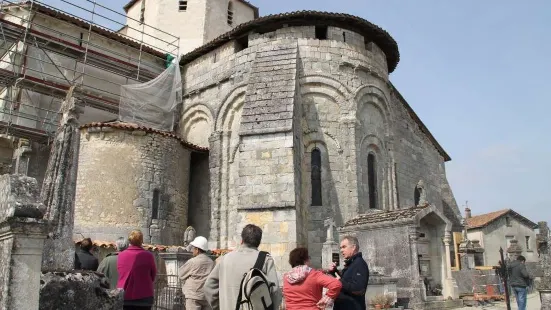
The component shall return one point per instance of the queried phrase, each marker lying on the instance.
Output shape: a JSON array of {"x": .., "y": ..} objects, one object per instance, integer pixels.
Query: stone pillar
[
  {"x": 58, "y": 191},
  {"x": 419, "y": 293},
  {"x": 22, "y": 157},
  {"x": 215, "y": 166},
  {"x": 451, "y": 289},
  {"x": 22, "y": 234},
  {"x": 544, "y": 249}
]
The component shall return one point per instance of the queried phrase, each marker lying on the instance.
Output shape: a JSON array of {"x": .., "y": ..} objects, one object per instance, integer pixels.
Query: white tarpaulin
[{"x": 152, "y": 104}]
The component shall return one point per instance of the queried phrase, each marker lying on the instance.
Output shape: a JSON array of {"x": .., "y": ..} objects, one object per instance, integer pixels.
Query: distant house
[{"x": 497, "y": 229}]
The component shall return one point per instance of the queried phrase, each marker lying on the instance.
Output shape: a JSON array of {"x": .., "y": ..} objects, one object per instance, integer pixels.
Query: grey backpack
[{"x": 255, "y": 289}]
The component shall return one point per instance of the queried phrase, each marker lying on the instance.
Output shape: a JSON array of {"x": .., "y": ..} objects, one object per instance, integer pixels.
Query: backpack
[{"x": 255, "y": 289}]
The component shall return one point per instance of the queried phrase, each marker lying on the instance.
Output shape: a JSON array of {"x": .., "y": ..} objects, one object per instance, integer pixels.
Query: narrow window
[
  {"x": 527, "y": 243},
  {"x": 316, "y": 177},
  {"x": 372, "y": 180},
  {"x": 230, "y": 13},
  {"x": 182, "y": 5},
  {"x": 321, "y": 32},
  {"x": 417, "y": 196},
  {"x": 508, "y": 221},
  {"x": 344, "y": 36},
  {"x": 241, "y": 43},
  {"x": 155, "y": 205}
]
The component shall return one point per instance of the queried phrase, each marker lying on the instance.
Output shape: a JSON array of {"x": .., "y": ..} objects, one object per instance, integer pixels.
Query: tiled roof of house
[
  {"x": 266, "y": 23},
  {"x": 385, "y": 216},
  {"x": 132, "y": 127},
  {"x": 483, "y": 220}
]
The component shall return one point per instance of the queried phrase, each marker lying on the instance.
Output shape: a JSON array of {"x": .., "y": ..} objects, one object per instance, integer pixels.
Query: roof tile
[{"x": 132, "y": 127}]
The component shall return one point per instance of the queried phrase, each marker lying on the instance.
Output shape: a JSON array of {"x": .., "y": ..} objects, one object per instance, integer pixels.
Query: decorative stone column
[
  {"x": 58, "y": 191},
  {"x": 450, "y": 289},
  {"x": 21, "y": 157},
  {"x": 466, "y": 251},
  {"x": 419, "y": 293},
  {"x": 22, "y": 234},
  {"x": 215, "y": 169},
  {"x": 330, "y": 247},
  {"x": 544, "y": 250}
]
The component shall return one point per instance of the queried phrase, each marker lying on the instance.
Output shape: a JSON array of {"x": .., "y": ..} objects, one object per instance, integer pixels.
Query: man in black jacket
[
  {"x": 84, "y": 260},
  {"x": 519, "y": 280},
  {"x": 354, "y": 276}
]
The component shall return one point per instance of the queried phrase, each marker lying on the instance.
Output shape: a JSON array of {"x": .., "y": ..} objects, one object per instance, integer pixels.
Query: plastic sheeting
[{"x": 152, "y": 104}]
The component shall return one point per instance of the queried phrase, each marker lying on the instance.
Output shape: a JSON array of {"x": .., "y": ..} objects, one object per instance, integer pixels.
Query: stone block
[
  {"x": 78, "y": 290},
  {"x": 19, "y": 197}
]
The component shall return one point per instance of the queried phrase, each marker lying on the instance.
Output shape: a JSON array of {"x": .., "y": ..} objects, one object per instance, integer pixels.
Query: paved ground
[{"x": 533, "y": 304}]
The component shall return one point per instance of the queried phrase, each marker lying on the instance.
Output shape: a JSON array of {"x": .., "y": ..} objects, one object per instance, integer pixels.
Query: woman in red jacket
[
  {"x": 137, "y": 272},
  {"x": 303, "y": 286}
]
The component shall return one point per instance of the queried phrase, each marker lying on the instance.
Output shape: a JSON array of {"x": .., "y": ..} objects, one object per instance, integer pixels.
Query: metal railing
[{"x": 168, "y": 293}]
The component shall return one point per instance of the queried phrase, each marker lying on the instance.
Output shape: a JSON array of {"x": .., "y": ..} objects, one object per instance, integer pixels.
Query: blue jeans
[{"x": 520, "y": 295}]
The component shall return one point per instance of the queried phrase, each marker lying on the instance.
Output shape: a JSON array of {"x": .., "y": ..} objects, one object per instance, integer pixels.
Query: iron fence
[{"x": 168, "y": 293}]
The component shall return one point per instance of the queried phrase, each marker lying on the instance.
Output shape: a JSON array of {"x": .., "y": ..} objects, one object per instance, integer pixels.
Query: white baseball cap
[{"x": 200, "y": 243}]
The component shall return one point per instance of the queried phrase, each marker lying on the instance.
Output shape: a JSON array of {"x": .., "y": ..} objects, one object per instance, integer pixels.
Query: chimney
[{"x": 467, "y": 213}]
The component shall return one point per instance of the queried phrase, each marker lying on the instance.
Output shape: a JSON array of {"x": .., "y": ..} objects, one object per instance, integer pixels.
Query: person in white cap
[{"x": 194, "y": 273}]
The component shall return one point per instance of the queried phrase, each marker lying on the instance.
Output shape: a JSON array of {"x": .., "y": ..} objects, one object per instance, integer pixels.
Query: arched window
[
  {"x": 316, "y": 177},
  {"x": 155, "y": 204},
  {"x": 372, "y": 180},
  {"x": 417, "y": 196},
  {"x": 230, "y": 13}
]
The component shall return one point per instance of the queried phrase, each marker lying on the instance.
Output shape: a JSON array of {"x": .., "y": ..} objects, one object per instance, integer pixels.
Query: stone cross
[
  {"x": 330, "y": 224},
  {"x": 58, "y": 190}
]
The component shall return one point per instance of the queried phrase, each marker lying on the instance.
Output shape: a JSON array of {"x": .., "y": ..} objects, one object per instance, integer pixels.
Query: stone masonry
[
  {"x": 269, "y": 93},
  {"x": 132, "y": 178},
  {"x": 22, "y": 235}
]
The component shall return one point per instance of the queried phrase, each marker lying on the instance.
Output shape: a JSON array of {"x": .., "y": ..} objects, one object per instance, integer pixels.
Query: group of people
[
  {"x": 208, "y": 284},
  {"x": 131, "y": 268},
  {"x": 218, "y": 285}
]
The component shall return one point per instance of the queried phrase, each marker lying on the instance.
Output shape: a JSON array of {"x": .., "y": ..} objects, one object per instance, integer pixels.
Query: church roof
[
  {"x": 480, "y": 221},
  {"x": 304, "y": 18},
  {"x": 385, "y": 216},
  {"x": 132, "y": 127}
]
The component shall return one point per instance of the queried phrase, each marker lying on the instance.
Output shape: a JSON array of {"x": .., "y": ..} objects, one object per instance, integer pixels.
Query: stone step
[{"x": 441, "y": 304}]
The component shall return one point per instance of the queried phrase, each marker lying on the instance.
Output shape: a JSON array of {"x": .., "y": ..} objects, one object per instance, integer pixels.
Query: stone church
[{"x": 286, "y": 121}]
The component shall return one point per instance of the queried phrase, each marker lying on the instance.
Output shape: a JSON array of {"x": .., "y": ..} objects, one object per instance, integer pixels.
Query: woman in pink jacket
[
  {"x": 137, "y": 273},
  {"x": 303, "y": 286}
]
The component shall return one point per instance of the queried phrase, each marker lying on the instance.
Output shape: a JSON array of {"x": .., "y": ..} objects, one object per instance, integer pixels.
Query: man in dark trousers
[
  {"x": 354, "y": 276},
  {"x": 519, "y": 280},
  {"x": 84, "y": 260}
]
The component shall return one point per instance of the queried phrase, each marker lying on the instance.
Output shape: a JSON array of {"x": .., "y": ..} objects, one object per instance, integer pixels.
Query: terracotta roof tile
[
  {"x": 385, "y": 216},
  {"x": 482, "y": 220},
  {"x": 132, "y": 127},
  {"x": 149, "y": 247}
]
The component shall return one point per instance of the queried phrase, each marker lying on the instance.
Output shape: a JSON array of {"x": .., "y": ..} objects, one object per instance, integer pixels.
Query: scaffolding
[{"x": 44, "y": 51}]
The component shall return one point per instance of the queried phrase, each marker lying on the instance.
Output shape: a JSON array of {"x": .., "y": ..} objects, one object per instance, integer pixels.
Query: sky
[{"x": 477, "y": 74}]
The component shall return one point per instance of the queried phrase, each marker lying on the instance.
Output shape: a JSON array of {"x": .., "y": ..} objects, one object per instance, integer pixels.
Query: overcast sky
[{"x": 477, "y": 74}]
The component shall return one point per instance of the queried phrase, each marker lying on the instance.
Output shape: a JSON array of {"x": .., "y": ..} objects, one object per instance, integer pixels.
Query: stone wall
[
  {"x": 78, "y": 290},
  {"x": 22, "y": 235},
  {"x": 122, "y": 174},
  {"x": 335, "y": 97}
]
